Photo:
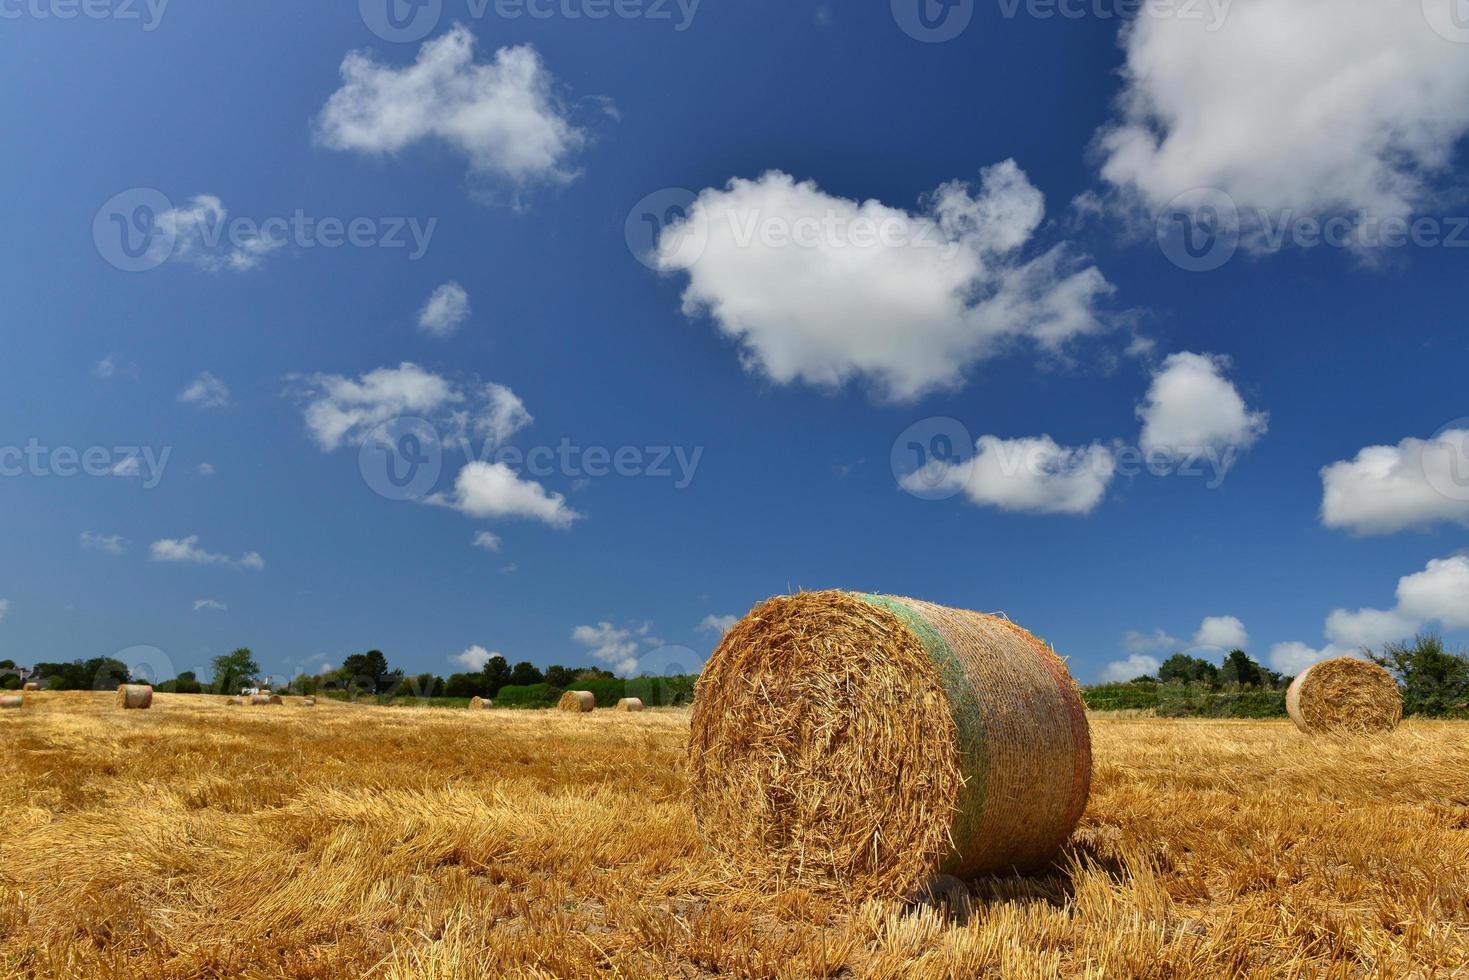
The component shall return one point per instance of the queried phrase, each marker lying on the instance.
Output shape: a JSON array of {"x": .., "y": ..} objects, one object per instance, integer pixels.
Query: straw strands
[
  {"x": 577, "y": 701},
  {"x": 134, "y": 696},
  {"x": 864, "y": 742},
  {"x": 1344, "y": 695}
]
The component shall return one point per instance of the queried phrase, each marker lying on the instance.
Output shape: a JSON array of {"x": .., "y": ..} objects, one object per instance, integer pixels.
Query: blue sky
[{"x": 861, "y": 227}]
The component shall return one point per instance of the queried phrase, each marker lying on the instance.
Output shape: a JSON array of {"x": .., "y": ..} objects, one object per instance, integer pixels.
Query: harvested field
[{"x": 193, "y": 840}]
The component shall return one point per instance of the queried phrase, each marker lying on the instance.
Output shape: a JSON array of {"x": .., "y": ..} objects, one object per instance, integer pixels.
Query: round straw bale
[
  {"x": 12, "y": 701},
  {"x": 260, "y": 699},
  {"x": 1344, "y": 695},
  {"x": 478, "y": 703},
  {"x": 630, "y": 704},
  {"x": 32, "y": 686},
  {"x": 134, "y": 696},
  {"x": 866, "y": 742},
  {"x": 577, "y": 701},
  {"x": 308, "y": 702},
  {"x": 234, "y": 701},
  {"x": 276, "y": 699}
]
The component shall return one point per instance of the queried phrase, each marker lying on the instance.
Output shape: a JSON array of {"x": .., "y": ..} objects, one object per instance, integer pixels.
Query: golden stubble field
[{"x": 196, "y": 839}]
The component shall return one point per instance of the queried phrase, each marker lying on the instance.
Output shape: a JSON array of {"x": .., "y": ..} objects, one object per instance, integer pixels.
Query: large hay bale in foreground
[
  {"x": 12, "y": 701},
  {"x": 630, "y": 704},
  {"x": 31, "y": 686},
  {"x": 577, "y": 701},
  {"x": 478, "y": 703},
  {"x": 134, "y": 696},
  {"x": 1344, "y": 695},
  {"x": 866, "y": 742}
]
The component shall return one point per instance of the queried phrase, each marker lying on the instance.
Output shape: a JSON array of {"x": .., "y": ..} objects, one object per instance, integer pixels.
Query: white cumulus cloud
[
  {"x": 1312, "y": 106},
  {"x": 494, "y": 490},
  {"x": 1034, "y": 475},
  {"x": 1157, "y": 641},
  {"x": 1136, "y": 665},
  {"x": 445, "y": 311},
  {"x": 188, "y": 550},
  {"x": 486, "y": 540},
  {"x": 474, "y": 658},
  {"x": 199, "y": 233},
  {"x": 206, "y": 391},
  {"x": 718, "y": 624},
  {"x": 1384, "y": 489},
  {"x": 502, "y": 116},
  {"x": 203, "y": 605},
  {"x": 823, "y": 290},
  {"x": 112, "y": 544},
  {"x": 1191, "y": 407},
  {"x": 1225, "y": 632},
  {"x": 610, "y": 644}
]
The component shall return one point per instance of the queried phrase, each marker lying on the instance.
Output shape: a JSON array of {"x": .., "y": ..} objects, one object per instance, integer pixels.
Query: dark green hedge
[
  {"x": 527, "y": 696},
  {"x": 1185, "y": 700}
]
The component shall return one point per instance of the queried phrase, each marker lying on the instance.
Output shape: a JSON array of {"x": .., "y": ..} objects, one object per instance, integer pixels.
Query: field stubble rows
[{"x": 340, "y": 841}]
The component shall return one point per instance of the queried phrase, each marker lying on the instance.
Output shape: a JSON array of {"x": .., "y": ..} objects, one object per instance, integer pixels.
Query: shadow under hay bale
[
  {"x": 1344, "y": 695},
  {"x": 134, "y": 696},
  {"x": 577, "y": 701},
  {"x": 866, "y": 742}
]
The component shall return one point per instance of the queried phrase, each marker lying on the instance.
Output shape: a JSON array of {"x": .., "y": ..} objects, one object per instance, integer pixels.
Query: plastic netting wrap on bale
[
  {"x": 577, "y": 701},
  {"x": 866, "y": 742},
  {"x": 1344, "y": 695},
  {"x": 134, "y": 696},
  {"x": 480, "y": 704},
  {"x": 630, "y": 704},
  {"x": 11, "y": 701}
]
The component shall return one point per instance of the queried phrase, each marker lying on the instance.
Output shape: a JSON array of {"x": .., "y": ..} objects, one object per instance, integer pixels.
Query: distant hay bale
[
  {"x": 477, "y": 703},
  {"x": 234, "y": 701},
  {"x": 308, "y": 702},
  {"x": 134, "y": 696},
  {"x": 275, "y": 699},
  {"x": 630, "y": 704},
  {"x": 12, "y": 701},
  {"x": 31, "y": 686},
  {"x": 866, "y": 742},
  {"x": 577, "y": 701},
  {"x": 1344, "y": 695},
  {"x": 260, "y": 699}
]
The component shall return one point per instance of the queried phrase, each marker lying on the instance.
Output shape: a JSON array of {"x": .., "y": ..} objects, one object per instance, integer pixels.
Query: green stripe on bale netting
[{"x": 968, "y": 722}]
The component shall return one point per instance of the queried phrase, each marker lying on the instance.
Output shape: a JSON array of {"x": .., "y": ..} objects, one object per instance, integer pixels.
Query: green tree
[
  {"x": 465, "y": 686},
  {"x": 496, "y": 676},
  {"x": 559, "y": 676},
  {"x": 1241, "y": 670},
  {"x": 1435, "y": 682},
  {"x": 1182, "y": 668},
  {"x": 526, "y": 674},
  {"x": 369, "y": 672},
  {"x": 233, "y": 671}
]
